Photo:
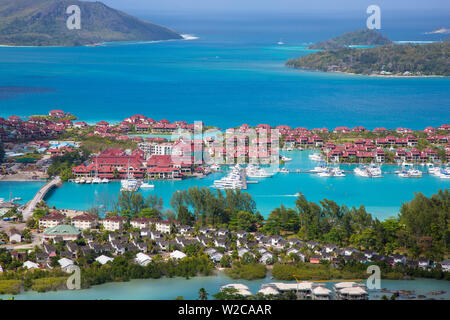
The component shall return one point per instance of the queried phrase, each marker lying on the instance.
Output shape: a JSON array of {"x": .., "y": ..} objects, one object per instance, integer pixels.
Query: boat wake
[{"x": 189, "y": 37}]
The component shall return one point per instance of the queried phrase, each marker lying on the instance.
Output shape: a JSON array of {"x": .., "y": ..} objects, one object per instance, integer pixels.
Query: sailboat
[
  {"x": 129, "y": 184},
  {"x": 96, "y": 178}
]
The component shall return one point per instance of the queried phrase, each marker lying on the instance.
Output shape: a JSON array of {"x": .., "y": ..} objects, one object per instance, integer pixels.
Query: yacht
[
  {"x": 146, "y": 185},
  {"x": 232, "y": 181},
  {"x": 411, "y": 173},
  {"x": 253, "y": 171},
  {"x": 338, "y": 172},
  {"x": 77, "y": 180},
  {"x": 215, "y": 167},
  {"x": 362, "y": 172},
  {"x": 316, "y": 157},
  {"x": 82, "y": 181},
  {"x": 321, "y": 168},
  {"x": 444, "y": 175},
  {"x": 332, "y": 172},
  {"x": 96, "y": 180},
  {"x": 88, "y": 181},
  {"x": 371, "y": 171},
  {"x": 129, "y": 184}
]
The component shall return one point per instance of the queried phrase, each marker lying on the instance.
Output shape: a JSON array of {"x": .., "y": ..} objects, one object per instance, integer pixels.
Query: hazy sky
[{"x": 275, "y": 5}]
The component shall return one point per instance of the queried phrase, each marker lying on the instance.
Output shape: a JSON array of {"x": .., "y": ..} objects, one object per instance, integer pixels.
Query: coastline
[
  {"x": 369, "y": 75},
  {"x": 402, "y": 286},
  {"x": 185, "y": 37}
]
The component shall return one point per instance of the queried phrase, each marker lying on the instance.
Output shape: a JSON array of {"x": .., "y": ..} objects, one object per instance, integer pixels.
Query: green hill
[
  {"x": 362, "y": 37},
  {"x": 43, "y": 23},
  {"x": 407, "y": 59}
]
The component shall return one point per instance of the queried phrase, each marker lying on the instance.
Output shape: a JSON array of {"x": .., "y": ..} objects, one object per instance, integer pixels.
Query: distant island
[
  {"x": 43, "y": 23},
  {"x": 388, "y": 60},
  {"x": 365, "y": 37}
]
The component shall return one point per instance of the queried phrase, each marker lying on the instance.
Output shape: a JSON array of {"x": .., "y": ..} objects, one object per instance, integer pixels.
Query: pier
[
  {"x": 244, "y": 178},
  {"x": 39, "y": 196}
]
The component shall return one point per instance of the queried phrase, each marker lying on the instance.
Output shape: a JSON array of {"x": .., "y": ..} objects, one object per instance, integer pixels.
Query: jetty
[{"x": 39, "y": 196}]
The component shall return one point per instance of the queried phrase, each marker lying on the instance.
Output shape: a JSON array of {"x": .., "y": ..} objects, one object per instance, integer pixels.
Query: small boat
[
  {"x": 215, "y": 167},
  {"x": 254, "y": 171},
  {"x": 411, "y": 173},
  {"x": 316, "y": 157},
  {"x": 129, "y": 185},
  {"x": 88, "y": 181},
  {"x": 361, "y": 171},
  {"x": 82, "y": 181},
  {"x": 16, "y": 199},
  {"x": 96, "y": 180},
  {"x": 321, "y": 168},
  {"x": 146, "y": 185},
  {"x": 104, "y": 180},
  {"x": 332, "y": 172},
  {"x": 77, "y": 180},
  {"x": 284, "y": 170},
  {"x": 280, "y": 43},
  {"x": 285, "y": 159}
]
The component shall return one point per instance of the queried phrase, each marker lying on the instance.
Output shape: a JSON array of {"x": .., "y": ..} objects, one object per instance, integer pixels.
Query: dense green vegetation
[
  {"x": 427, "y": 59},
  {"x": 124, "y": 269},
  {"x": 247, "y": 271},
  {"x": 43, "y": 23},
  {"x": 62, "y": 165},
  {"x": 10, "y": 286},
  {"x": 304, "y": 271},
  {"x": 421, "y": 229},
  {"x": 361, "y": 37},
  {"x": 232, "y": 208},
  {"x": 350, "y": 270}
]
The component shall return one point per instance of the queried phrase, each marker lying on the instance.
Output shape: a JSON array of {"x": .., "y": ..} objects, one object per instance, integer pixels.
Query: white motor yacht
[
  {"x": 411, "y": 173},
  {"x": 316, "y": 157},
  {"x": 147, "y": 185},
  {"x": 321, "y": 168}
]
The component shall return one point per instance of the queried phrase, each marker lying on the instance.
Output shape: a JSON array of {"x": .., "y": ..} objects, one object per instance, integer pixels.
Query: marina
[{"x": 381, "y": 196}]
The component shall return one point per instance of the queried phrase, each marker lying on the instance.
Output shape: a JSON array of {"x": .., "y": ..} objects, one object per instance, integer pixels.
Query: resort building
[
  {"x": 85, "y": 221},
  {"x": 155, "y": 149},
  {"x": 51, "y": 220},
  {"x": 164, "y": 226},
  {"x": 350, "y": 291},
  {"x": 141, "y": 223},
  {"x": 113, "y": 223},
  {"x": 65, "y": 232}
]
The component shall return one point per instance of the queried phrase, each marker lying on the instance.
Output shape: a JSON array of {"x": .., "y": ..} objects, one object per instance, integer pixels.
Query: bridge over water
[{"x": 39, "y": 196}]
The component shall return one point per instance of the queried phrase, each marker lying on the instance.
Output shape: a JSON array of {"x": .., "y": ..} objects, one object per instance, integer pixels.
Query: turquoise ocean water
[
  {"x": 233, "y": 74},
  {"x": 381, "y": 196}
]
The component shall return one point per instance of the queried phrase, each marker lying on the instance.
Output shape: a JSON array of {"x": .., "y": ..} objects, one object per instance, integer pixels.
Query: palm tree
[{"x": 202, "y": 294}]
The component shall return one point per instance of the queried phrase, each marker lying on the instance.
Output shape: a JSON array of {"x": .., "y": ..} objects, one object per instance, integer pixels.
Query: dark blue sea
[{"x": 233, "y": 73}]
